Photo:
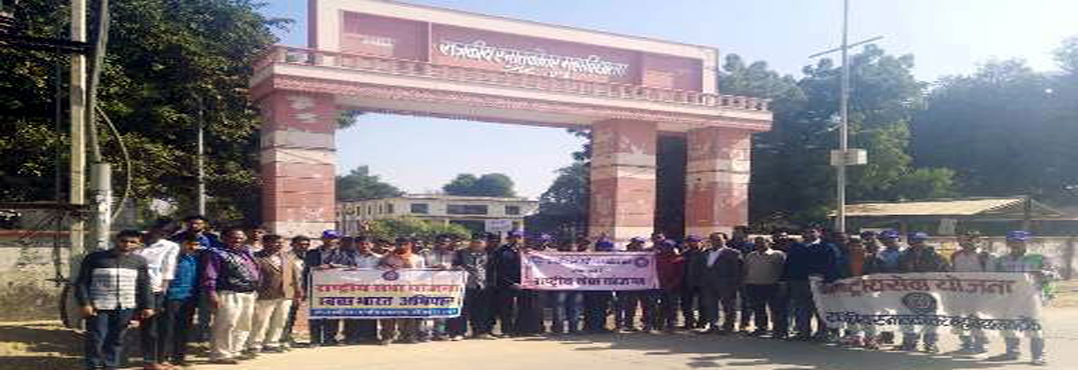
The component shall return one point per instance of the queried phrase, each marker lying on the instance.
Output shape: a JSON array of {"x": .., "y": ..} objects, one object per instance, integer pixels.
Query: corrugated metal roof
[{"x": 946, "y": 207}]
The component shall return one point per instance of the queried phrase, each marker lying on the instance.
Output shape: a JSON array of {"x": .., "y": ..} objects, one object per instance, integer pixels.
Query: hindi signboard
[
  {"x": 986, "y": 301},
  {"x": 542, "y": 270},
  {"x": 384, "y": 294}
]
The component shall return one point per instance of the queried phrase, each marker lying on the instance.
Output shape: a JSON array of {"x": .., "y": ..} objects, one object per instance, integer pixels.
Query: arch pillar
[
  {"x": 298, "y": 162},
  {"x": 622, "y": 179},
  {"x": 717, "y": 180}
]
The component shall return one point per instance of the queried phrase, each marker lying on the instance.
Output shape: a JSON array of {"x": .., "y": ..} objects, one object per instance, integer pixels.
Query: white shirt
[
  {"x": 712, "y": 256},
  {"x": 161, "y": 260},
  {"x": 368, "y": 261},
  {"x": 970, "y": 262}
]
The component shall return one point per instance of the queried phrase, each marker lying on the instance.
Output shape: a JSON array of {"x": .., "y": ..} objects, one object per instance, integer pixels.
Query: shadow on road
[{"x": 738, "y": 351}]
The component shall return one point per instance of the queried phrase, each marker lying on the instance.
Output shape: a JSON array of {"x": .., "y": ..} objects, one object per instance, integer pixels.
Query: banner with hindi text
[
  {"x": 542, "y": 270},
  {"x": 986, "y": 301},
  {"x": 384, "y": 294}
]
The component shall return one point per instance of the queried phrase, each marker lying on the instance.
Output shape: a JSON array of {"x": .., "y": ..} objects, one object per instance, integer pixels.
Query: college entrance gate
[{"x": 380, "y": 56}]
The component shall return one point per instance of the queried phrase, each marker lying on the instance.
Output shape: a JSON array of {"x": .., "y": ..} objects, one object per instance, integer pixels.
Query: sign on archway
[{"x": 380, "y": 56}]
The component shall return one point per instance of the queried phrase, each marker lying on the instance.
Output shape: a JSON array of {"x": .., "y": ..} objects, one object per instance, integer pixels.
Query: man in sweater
[
  {"x": 281, "y": 283},
  {"x": 359, "y": 254},
  {"x": 323, "y": 331},
  {"x": 474, "y": 260},
  {"x": 229, "y": 282},
  {"x": 690, "y": 293},
  {"x": 807, "y": 258},
  {"x": 670, "y": 266},
  {"x": 112, "y": 287},
  {"x": 763, "y": 268}
]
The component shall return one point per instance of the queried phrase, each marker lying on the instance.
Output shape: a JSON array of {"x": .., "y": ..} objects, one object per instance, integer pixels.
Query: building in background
[{"x": 494, "y": 214}]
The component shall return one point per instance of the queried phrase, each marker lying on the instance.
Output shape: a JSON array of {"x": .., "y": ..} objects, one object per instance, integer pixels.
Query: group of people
[{"x": 245, "y": 288}]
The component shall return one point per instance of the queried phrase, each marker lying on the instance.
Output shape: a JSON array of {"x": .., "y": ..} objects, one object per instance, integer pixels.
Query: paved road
[{"x": 643, "y": 351}]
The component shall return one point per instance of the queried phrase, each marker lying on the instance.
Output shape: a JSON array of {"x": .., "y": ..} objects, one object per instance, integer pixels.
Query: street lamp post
[{"x": 844, "y": 156}]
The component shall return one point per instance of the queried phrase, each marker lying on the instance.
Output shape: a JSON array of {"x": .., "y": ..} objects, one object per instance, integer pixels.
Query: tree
[
  {"x": 564, "y": 205},
  {"x": 359, "y": 184},
  {"x": 884, "y": 98},
  {"x": 164, "y": 57},
  {"x": 488, "y": 185},
  {"x": 1005, "y": 129}
]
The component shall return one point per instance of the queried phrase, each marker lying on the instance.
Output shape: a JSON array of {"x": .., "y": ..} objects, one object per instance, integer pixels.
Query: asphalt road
[{"x": 644, "y": 351}]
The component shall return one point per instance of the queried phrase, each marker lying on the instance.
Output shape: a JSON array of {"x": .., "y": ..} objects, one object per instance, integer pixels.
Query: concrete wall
[{"x": 25, "y": 265}]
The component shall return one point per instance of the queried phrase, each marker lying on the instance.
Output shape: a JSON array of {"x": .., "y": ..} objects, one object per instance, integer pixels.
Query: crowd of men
[{"x": 241, "y": 290}]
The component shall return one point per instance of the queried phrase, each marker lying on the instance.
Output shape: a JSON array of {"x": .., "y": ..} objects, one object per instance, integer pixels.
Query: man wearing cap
[
  {"x": 690, "y": 292},
  {"x": 971, "y": 258},
  {"x": 891, "y": 251},
  {"x": 477, "y": 306},
  {"x": 1036, "y": 265},
  {"x": 597, "y": 302},
  {"x": 919, "y": 257},
  {"x": 627, "y": 301},
  {"x": 323, "y": 331},
  {"x": 505, "y": 266}
]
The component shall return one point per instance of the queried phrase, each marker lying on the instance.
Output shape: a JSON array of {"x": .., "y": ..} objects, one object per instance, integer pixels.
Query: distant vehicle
[{"x": 9, "y": 218}]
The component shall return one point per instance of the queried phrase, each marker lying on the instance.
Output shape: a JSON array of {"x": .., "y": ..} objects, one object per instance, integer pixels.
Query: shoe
[
  {"x": 1007, "y": 356},
  {"x": 439, "y": 338},
  {"x": 272, "y": 350},
  {"x": 870, "y": 344},
  {"x": 457, "y": 338},
  {"x": 758, "y": 333},
  {"x": 386, "y": 342},
  {"x": 1038, "y": 361},
  {"x": 931, "y": 348},
  {"x": 907, "y": 347},
  {"x": 225, "y": 361},
  {"x": 248, "y": 355}
]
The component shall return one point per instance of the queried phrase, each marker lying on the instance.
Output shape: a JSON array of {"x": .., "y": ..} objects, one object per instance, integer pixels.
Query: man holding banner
[
  {"x": 401, "y": 258},
  {"x": 919, "y": 257},
  {"x": 1036, "y": 267}
]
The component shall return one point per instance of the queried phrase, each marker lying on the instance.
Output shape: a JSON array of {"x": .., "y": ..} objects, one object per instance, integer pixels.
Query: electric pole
[{"x": 844, "y": 156}]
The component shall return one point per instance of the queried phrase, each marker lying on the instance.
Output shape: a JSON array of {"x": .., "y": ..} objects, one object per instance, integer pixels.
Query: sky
[{"x": 946, "y": 37}]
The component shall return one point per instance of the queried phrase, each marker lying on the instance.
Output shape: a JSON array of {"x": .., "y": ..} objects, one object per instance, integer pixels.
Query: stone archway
[{"x": 408, "y": 59}]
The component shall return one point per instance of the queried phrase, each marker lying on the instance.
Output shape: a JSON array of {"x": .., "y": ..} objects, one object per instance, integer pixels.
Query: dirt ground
[{"x": 46, "y": 345}]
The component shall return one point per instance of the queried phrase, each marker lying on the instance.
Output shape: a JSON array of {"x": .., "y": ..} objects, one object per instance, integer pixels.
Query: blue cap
[
  {"x": 889, "y": 234},
  {"x": 918, "y": 236},
  {"x": 638, "y": 239},
  {"x": 330, "y": 234},
  {"x": 604, "y": 245},
  {"x": 669, "y": 244},
  {"x": 545, "y": 237},
  {"x": 693, "y": 238},
  {"x": 516, "y": 234},
  {"x": 1019, "y": 236}
]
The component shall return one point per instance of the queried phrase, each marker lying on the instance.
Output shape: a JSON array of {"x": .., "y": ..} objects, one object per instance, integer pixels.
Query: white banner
[
  {"x": 588, "y": 271},
  {"x": 987, "y": 301},
  {"x": 383, "y": 293}
]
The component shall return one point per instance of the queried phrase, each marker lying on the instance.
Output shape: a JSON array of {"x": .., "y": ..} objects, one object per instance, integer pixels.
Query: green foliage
[
  {"x": 791, "y": 175},
  {"x": 164, "y": 57},
  {"x": 564, "y": 206},
  {"x": 1005, "y": 130},
  {"x": 389, "y": 228},
  {"x": 359, "y": 184},
  {"x": 488, "y": 185}
]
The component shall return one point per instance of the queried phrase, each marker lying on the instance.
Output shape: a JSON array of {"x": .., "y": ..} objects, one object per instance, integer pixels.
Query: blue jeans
[
  {"x": 567, "y": 306},
  {"x": 105, "y": 338},
  {"x": 804, "y": 308}
]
